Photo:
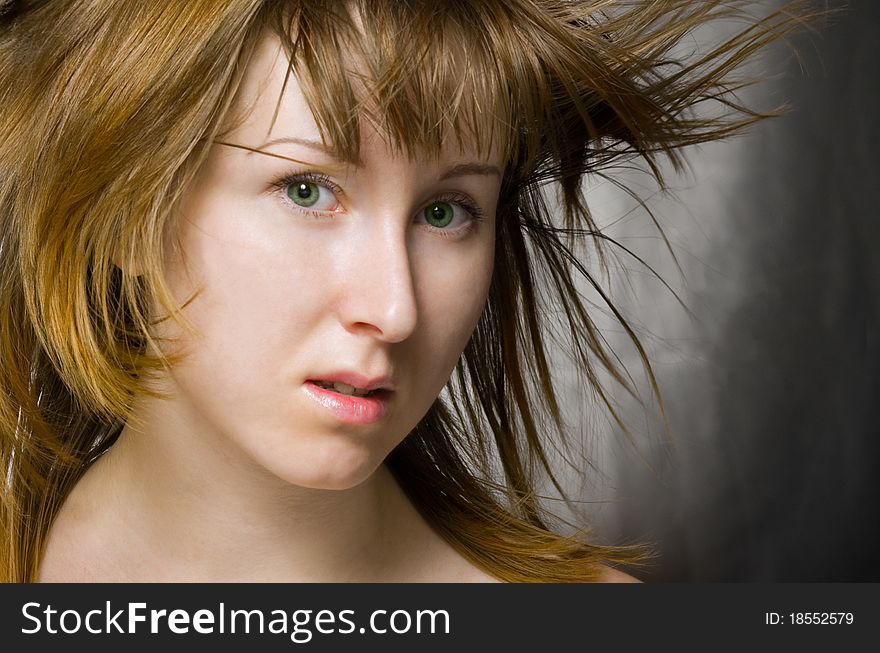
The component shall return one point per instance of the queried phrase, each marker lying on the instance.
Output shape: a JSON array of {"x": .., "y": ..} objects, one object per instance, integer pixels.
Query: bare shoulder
[
  {"x": 455, "y": 568},
  {"x": 469, "y": 573},
  {"x": 612, "y": 575},
  {"x": 80, "y": 543},
  {"x": 444, "y": 564},
  {"x": 451, "y": 567},
  {"x": 64, "y": 558}
]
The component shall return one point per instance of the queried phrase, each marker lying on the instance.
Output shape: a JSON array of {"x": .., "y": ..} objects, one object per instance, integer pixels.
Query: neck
[{"x": 174, "y": 504}]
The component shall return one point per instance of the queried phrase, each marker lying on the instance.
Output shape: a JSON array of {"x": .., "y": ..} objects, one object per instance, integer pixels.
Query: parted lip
[{"x": 359, "y": 381}]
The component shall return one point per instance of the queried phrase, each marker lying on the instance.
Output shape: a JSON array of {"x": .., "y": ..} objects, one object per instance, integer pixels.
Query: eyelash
[
  {"x": 307, "y": 177},
  {"x": 475, "y": 212}
]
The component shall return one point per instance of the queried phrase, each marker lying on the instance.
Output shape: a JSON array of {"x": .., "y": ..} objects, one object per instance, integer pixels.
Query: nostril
[{"x": 379, "y": 286}]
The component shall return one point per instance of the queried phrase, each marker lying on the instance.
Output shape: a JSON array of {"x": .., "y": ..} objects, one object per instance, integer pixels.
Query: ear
[{"x": 123, "y": 263}]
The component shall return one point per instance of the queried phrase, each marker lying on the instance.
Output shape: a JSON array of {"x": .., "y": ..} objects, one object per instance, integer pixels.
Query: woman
[{"x": 273, "y": 276}]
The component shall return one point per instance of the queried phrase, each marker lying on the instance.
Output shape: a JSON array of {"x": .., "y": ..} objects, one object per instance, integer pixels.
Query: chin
[{"x": 331, "y": 467}]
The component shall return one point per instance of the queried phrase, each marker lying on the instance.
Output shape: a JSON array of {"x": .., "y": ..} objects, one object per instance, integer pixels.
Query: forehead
[
  {"x": 273, "y": 102},
  {"x": 270, "y": 102}
]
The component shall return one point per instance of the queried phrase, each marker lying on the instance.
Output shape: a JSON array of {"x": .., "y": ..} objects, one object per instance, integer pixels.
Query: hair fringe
[{"x": 564, "y": 88}]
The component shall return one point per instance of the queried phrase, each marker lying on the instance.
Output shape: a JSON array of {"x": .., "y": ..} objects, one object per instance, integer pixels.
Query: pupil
[
  {"x": 305, "y": 194},
  {"x": 440, "y": 214}
]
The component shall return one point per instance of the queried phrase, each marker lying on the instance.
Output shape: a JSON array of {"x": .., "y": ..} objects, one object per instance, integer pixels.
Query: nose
[{"x": 379, "y": 290}]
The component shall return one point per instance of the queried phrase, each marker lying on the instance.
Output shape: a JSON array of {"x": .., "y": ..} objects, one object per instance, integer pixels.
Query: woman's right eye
[{"x": 311, "y": 196}]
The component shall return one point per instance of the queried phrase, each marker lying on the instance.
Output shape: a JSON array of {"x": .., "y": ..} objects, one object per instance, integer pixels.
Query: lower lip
[{"x": 347, "y": 408}]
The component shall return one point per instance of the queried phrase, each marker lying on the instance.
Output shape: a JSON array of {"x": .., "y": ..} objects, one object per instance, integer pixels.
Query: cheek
[
  {"x": 452, "y": 303},
  {"x": 258, "y": 298}
]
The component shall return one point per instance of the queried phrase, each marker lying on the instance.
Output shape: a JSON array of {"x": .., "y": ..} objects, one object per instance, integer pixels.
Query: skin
[
  {"x": 240, "y": 476},
  {"x": 240, "y": 459}
]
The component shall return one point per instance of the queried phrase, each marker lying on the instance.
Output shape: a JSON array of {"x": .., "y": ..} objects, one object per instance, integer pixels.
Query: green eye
[
  {"x": 304, "y": 193},
  {"x": 439, "y": 214}
]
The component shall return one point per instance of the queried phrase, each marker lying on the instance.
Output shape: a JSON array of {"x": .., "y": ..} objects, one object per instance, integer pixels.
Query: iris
[
  {"x": 304, "y": 193},
  {"x": 439, "y": 214}
]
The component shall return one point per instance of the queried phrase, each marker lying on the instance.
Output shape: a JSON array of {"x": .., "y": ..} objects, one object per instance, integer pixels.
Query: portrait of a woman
[{"x": 277, "y": 279}]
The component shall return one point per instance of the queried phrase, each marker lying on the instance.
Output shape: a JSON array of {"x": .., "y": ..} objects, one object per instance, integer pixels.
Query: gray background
[{"x": 772, "y": 385}]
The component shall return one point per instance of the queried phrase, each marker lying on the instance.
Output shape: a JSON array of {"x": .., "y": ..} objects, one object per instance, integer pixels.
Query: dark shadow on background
[{"x": 785, "y": 487}]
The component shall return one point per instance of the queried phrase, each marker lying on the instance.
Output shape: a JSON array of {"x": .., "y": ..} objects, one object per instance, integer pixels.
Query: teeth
[{"x": 344, "y": 389}]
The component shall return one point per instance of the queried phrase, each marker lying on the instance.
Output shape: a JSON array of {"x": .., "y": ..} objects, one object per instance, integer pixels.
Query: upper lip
[{"x": 356, "y": 380}]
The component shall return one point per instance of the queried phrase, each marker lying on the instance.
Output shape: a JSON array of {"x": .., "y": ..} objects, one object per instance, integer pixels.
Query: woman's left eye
[
  {"x": 311, "y": 195},
  {"x": 450, "y": 215}
]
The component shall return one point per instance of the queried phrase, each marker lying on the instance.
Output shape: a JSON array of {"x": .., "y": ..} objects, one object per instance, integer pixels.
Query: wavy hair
[{"x": 107, "y": 110}]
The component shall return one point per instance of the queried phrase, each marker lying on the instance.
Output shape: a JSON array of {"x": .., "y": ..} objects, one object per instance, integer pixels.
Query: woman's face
[{"x": 324, "y": 272}]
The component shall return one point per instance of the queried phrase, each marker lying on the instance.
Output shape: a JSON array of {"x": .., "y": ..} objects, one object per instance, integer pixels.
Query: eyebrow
[
  {"x": 460, "y": 170},
  {"x": 261, "y": 149},
  {"x": 315, "y": 145},
  {"x": 466, "y": 169}
]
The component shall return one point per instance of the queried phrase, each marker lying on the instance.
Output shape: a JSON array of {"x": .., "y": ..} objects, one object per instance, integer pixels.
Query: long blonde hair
[{"x": 109, "y": 108}]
